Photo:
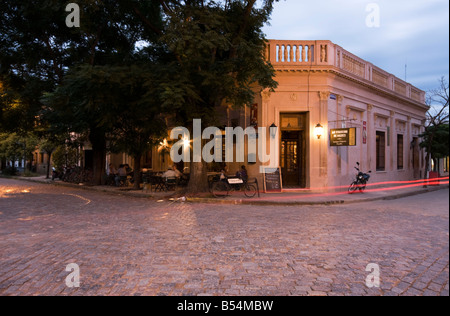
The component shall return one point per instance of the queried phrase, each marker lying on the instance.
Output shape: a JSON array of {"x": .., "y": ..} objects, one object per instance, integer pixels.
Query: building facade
[
  {"x": 323, "y": 85},
  {"x": 320, "y": 83}
]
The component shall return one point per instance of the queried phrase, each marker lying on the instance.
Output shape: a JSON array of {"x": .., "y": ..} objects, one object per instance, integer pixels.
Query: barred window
[
  {"x": 400, "y": 146},
  {"x": 381, "y": 151}
]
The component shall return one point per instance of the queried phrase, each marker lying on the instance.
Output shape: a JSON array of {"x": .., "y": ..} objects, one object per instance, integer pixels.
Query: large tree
[
  {"x": 139, "y": 125},
  {"x": 33, "y": 58},
  {"x": 37, "y": 49},
  {"x": 119, "y": 103},
  {"x": 217, "y": 50}
]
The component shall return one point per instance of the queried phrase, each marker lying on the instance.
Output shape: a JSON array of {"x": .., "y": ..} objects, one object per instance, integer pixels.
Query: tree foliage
[
  {"x": 14, "y": 147},
  {"x": 435, "y": 139},
  {"x": 217, "y": 51},
  {"x": 129, "y": 61},
  {"x": 119, "y": 103}
]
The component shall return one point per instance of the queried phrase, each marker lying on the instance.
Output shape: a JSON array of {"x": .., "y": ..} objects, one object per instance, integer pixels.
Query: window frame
[{"x": 380, "y": 150}]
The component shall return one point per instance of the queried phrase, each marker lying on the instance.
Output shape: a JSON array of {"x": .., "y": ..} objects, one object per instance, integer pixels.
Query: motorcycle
[{"x": 360, "y": 182}]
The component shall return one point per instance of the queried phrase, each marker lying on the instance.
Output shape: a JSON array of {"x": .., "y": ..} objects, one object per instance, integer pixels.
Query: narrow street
[{"x": 134, "y": 246}]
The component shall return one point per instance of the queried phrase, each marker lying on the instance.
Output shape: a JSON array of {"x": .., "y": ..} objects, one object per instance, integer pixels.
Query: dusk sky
[{"x": 412, "y": 32}]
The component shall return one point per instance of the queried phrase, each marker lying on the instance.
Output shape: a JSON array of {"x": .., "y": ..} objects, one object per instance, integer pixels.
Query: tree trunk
[
  {"x": 48, "y": 164},
  {"x": 198, "y": 182},
  {"x": 99, "y": 167},
  {"x": 97, "y": 139},
  {"x": 428, "y": 159},
  {"x": 137, "y": 172},
  {"x": 30, "y": 163}
]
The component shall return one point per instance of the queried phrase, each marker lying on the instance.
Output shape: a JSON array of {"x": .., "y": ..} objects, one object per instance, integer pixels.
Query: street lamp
[
  {"x": 318, "y": 131},
  {"x": 273, "y": 130}
]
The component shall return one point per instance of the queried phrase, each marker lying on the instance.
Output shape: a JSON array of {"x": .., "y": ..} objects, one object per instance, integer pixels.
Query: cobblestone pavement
[{"x": 130, "y": 246}]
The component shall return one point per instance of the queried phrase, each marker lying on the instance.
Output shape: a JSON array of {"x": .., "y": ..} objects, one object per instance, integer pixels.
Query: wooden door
[{"x": 291, "y": 158}]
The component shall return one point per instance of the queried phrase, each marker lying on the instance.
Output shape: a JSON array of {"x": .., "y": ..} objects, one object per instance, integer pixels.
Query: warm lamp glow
[
  {"x": 164, "y": 145},
  {"x": 318, "y": 131},
  {"x": 187, "y": 143}
]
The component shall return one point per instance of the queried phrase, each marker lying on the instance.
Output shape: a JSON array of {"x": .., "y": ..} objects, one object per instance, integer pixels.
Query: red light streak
[
  {"x": 422, "y": 182},
  {"x": 394, "y": 185},
  {"x": 405, "y": 185}
]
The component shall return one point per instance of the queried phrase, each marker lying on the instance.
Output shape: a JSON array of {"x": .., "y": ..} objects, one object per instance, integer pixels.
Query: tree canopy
[
  {"x": 128, "y": 62},
  {"x": 436, "y": 140},
  {"x": 217, "y": 49}
]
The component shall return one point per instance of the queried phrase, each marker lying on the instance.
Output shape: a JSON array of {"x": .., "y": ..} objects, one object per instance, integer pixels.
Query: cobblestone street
[{"x": 135, "y": 246}]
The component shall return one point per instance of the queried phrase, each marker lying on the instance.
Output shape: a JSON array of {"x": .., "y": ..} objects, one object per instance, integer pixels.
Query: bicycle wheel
[
  {"x": 353, "y": 187},
  {"x": 220, "y": 189},
  {"x": 250, "y": 190}
]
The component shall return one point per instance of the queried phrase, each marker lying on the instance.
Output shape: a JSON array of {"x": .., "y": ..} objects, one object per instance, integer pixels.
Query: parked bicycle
[
  {"x": 225, "y": 187},
  {"x": 77, "y": 175}
]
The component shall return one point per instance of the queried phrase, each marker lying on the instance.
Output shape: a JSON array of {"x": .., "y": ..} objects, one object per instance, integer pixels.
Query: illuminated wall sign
[{"x": 343, "y": 137}]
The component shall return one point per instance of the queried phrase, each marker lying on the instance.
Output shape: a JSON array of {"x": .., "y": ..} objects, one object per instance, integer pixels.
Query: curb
[
  {"x": 241, "y": 201},
  {"x": 261, "y": 203},
  {"x": 312, "y": 203}
]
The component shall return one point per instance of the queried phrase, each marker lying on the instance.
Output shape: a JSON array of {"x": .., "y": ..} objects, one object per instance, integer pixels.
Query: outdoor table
[{"x": 160, "y": 183}]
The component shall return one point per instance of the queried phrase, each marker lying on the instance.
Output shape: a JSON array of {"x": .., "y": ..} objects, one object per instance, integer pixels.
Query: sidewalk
[
  {"x": 326, "y": 198},
  {"x": 373, "y": 193}
]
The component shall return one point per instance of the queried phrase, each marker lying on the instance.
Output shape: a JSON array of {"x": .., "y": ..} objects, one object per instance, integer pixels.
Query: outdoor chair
[
  {"x": 171, "y": 183},
  {"x": 123, "y": 181}
]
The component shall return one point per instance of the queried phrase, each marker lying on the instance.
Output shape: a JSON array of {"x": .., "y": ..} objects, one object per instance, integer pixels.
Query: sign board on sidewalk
[
  {"x": 272, "y": 180},
  {"x": 235, "y": 181},
  {"x": 343, "y": 137}
]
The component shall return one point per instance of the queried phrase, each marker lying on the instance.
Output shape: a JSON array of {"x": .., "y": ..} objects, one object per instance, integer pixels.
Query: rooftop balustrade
[{"x": 321, "y": 55}]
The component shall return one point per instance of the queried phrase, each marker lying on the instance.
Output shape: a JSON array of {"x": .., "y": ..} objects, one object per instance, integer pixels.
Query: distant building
[{"x": 442, "y": 167}]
